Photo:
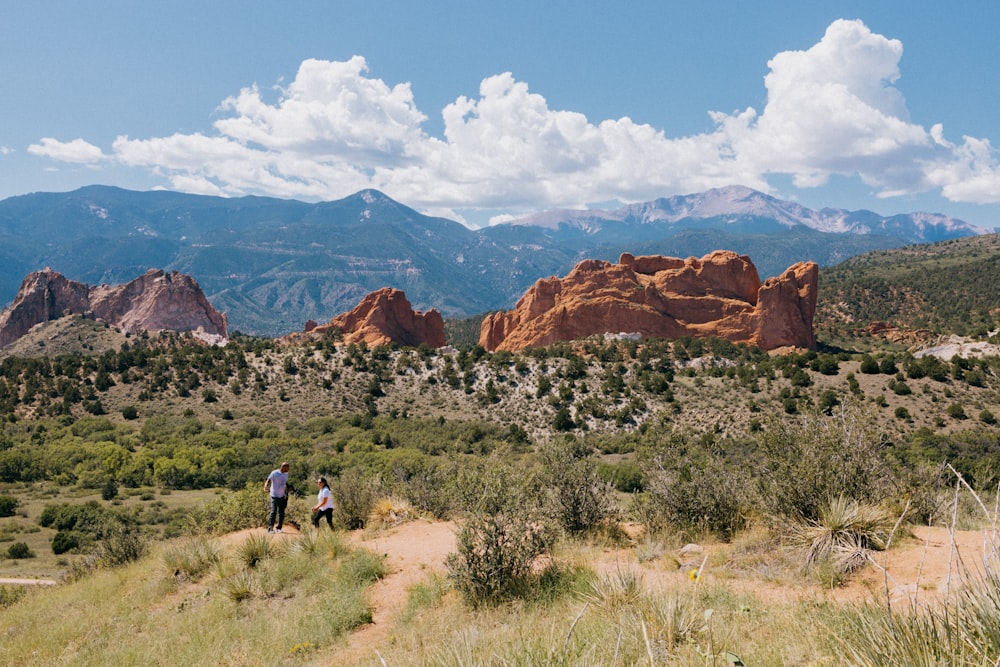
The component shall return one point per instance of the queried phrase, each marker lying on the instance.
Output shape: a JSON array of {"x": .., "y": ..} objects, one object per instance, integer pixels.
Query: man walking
[{"x": 277, "y": 486}]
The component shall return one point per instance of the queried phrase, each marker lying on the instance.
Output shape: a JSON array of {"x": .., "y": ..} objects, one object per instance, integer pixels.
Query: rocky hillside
[
  {"x": 154, "y": 301},
  {"x": 949, "y": 287}
]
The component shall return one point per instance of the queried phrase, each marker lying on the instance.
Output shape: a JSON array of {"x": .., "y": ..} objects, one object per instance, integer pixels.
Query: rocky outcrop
[
  {"x": 664, "y": 297},
  {"x": 384, "y": 317},
  {"x": 155, "y": 301}
]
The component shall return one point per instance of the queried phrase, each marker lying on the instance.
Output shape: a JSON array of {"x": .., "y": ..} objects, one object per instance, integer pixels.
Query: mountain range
[{"x": 272, "y": 264}]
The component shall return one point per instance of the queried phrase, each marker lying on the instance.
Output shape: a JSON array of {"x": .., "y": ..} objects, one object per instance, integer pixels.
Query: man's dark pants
[{"x": 278, "y": 506}]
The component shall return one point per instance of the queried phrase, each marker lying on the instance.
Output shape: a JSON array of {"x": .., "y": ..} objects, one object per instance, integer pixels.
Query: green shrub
[
  {"x": 120, "y": 543},
  {"x": 625, "y": 476},
  {"x": 256, "y": 549},
  {"x": 19, "y": 550},
  {"x": 8, "y": 506},
  {"x": 192, "y": 559},
  {"x": 87, "y": 517},
  {"x": 798, "y": 463},
  {"x": 240, "y": 586},
  {"x": 694, "y": 485},
  {"x": 64, "y": 541},
  {"x": 579, "y": 499},
  {"x": 110, "y": 489},
  {"x": 354, "y": 494},
  {"x": 235, "y": 510},
  {"x": 503, "y": 532},
  {"x": 363, "y": 567}
]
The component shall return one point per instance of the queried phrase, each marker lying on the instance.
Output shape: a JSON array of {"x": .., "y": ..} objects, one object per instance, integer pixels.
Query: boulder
[
  {"x": 383, "y": 317},
  {"x": 663, "y": 297},
  {"x": 155, "y": 301}
]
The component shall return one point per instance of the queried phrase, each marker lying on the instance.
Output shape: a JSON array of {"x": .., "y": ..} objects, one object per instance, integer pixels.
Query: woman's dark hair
[{"x": 322, "y": 480}]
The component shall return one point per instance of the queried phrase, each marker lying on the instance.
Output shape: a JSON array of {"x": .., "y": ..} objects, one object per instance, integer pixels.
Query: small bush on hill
[
  {"x": 354, "y": 494},
  {"x": 503, "y": 532},
  {"x": 8, "y": 506},
  {"x": 120, "y": 543},
  {"x": 800, "y": 463},
  {"x": 64, "y": 541},
  {"x": 696, "y": 486},
  {"x": 579, "y": 498},
  {"x": 19, "y": 550}
]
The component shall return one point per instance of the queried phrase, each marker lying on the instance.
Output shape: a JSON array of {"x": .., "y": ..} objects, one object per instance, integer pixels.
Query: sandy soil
[{"x": 922, "y": 567}]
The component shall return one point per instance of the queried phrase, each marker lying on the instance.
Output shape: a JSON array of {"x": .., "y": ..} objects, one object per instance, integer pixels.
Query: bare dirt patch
[{"x": 922, "y": 567}]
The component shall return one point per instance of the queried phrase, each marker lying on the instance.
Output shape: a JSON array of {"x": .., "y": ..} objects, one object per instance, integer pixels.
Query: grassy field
[{"x": 33, "y": 498}]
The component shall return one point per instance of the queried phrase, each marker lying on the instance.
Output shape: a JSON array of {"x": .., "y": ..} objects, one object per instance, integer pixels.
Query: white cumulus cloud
[
  {"x": 833, "y": 109},
  {"x": 76, "y": 151}
]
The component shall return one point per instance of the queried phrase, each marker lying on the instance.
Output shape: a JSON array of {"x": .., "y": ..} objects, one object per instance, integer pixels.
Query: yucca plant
[
  {"x": 387, "y": 512},
  {"x": 255, "y": 549},
  {"x": 240, "y": 586},
  {"x": 844, "y": 533},
  {"x": 614, "y": 593}
]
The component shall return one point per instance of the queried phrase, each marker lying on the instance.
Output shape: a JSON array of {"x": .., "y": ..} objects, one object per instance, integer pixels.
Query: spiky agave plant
[{"x": 845, "y": 532}]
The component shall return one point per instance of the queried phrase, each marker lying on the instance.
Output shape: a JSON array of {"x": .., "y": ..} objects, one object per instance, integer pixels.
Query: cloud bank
[{"x": 831, "y": 110}]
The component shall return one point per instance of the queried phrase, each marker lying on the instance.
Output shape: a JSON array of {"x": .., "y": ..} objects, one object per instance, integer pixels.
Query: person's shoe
[
  {"x": 271, "y": 530},
  {"x": 279, "y": 530}
]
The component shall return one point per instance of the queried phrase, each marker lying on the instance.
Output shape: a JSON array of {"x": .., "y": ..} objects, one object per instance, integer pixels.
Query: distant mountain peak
[{"x": 730, "y": 205}]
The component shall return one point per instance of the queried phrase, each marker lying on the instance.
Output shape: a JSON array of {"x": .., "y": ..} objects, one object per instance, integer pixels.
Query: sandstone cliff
[
  {"x": 155, "y": 301},
  {"x": 665, "y": 297},
  {"x": 384, "y": 317}
]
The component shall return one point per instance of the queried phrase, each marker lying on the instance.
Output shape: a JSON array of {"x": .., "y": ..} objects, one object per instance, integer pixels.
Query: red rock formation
[
  {"x": 153, "y": 302},
  {"x": 663, "y": 297},
  {"x": 382, "y": 318}
]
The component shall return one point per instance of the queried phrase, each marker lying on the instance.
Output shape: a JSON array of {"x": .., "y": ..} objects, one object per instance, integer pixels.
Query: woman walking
[{"x": 324, "y": 504}]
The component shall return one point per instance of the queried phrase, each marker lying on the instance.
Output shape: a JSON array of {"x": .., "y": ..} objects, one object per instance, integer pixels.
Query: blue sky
[{"x": 479, "y": 111}]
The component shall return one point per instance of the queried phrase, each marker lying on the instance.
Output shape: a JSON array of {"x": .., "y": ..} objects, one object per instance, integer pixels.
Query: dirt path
[
  {"x": 28, "y": 582},
  {"x": 413, "y": 552},
  {"x": 929, "y": 565},
  {"x": 925, "y": 566}
]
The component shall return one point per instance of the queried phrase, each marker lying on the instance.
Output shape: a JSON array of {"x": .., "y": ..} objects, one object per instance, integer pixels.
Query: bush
[
  {"x": 20, "y": 550},
  {"x": 956, "y": 411},
  {"x": 236, "y": 510},
  {"x": 625, "y": 476},
  {"x": 110, "y": 490},
  {"x": 696, "y": 486},
  {"x": 504, "y": 531},
  {"x": 431, "y": 490},
  {"x": 800, "y": 463},
  {"x": 120, "y": 543},
  {"x": 579, "y": 499},
  {"x": 843, "y": 534},
  {"x": 193, "y": 559},
  {"x": 64, "y": 541},
  {"x": 354, "y": 494},
  {"x": 8, "y": 506},
  {"x": 69, "y": 516}
]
